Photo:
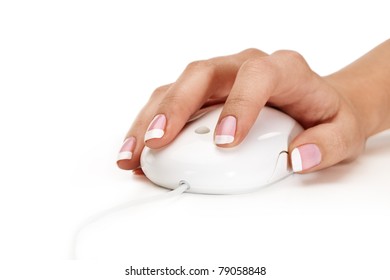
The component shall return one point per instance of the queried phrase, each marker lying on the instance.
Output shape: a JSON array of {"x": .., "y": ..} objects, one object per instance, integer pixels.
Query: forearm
[{"x": 366, "y": 83}]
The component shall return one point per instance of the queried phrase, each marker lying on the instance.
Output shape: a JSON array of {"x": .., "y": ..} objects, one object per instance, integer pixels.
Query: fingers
[
  {"x": 333, "y": 134},
  {"x": 326, "y": 144},
  {"x": 200, "y": 82},
  {"x": 182, "y": 99},
  {"x": 247, "y": 81},
  {"x": 253, "y": 86},
  {"x": 282, "y": 78},
  {"x": 130, "y": 152}
]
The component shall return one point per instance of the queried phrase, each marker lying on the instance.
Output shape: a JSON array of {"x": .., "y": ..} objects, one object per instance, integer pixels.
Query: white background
[{"x": 73, "y": 75}]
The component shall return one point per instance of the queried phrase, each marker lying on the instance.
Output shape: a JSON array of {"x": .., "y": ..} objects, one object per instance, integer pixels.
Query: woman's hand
[{"x": 335, "y": 129}]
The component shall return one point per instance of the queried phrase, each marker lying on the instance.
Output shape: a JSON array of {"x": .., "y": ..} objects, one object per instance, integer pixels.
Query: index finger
[{"x": 199, "y": 82}]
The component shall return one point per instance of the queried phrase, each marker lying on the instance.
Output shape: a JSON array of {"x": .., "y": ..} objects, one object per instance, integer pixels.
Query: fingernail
[
  {"x": 156, "y": 128},
  {"x": 126, "y": 152},
  {"x": 226, "y": 130},
  {"x": 305, "y": 157}
]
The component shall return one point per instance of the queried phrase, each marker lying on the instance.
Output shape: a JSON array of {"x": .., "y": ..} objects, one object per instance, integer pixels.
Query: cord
[{"x": 181, "y": 188}]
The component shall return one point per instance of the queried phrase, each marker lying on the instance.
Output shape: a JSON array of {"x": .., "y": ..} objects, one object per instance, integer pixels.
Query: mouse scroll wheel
[{"x": 202, "y": 130}]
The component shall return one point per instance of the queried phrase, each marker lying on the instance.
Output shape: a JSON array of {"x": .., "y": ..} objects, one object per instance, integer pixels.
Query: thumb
[{"x": 324, "y": 145}]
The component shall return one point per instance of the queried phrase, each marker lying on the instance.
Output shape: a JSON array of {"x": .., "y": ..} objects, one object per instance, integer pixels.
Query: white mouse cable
[{"x": 181, "y": 188}]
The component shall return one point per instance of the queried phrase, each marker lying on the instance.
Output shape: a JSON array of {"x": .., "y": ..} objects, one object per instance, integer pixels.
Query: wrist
[
  {"x": 369, "y": 103},
  {"x": 365, "y": 84}
]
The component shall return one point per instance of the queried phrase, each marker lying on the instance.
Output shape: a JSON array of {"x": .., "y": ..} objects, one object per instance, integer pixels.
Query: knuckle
[
  {"x": 341, "y": 145},
  {"x": 290, "y": 56},
  {"x": 344, "y": 141},
  {"x": 200, "y": 65},
  {"x": 195, "y": 64},
  {"x": 348, "y": 137},
  {"x": 293, "y": 62},
  {"x": 174, "y": 103},
  {"x": 252, "y": 52},
  {"x": 260, "y": 65},
  {"x": 169, "y": 101},
  {"x": 140, "y": 122},
  {"x": 208, "y": 67},
  {"x": 355, "y": 139},
  {"x": 158, "y": 91},
  {"x": 243, "y": 102}
]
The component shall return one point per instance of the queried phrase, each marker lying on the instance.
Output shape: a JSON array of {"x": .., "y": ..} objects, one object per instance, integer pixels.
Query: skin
[{"x": 339, "y": 112}]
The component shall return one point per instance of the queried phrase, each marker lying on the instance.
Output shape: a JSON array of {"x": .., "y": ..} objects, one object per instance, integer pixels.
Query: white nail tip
[
  {"x": 296, "y": 160},
  {"x": 154, "y": 133},
  {"x": 223, "y": 139},
  {"x": 125, "y": 155}
]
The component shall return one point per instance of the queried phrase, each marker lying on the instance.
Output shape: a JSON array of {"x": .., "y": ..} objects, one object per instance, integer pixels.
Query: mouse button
[
  {"x": 281, "y": 169},
  {"x": 296, "y": 129},
  {"x": 268, "y": 135},
  {"x": 271, "y": 144}
]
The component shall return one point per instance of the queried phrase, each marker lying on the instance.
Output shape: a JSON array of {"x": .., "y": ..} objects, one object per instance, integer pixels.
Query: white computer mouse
[{"x": 259, "y": 160}]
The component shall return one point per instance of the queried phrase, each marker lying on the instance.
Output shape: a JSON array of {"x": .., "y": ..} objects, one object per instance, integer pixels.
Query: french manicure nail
[
  {"x": 156, "y": 128},
  {"x": 126, "y": 152},
  {"x": 226, "y": 130},
  {"x": 305, "y": 157}
]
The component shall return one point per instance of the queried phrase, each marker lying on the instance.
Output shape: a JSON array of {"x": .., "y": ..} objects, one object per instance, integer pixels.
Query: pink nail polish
[
  {"x": 226, "y": 130},
  {"x": 126, "y": 152},
  {"x": 156, "y": 128},
  {"x": 305, "y": 157}
]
